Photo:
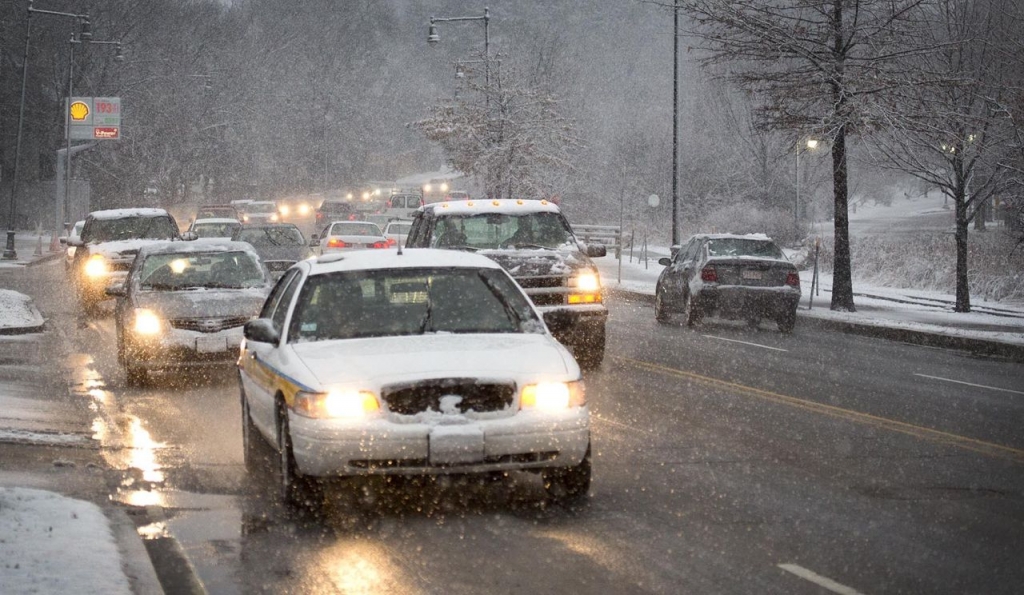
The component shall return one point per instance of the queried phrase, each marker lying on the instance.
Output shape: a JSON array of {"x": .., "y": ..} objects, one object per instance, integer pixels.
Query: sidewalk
[
  {"x": 59, "y": 533},
  {"x": 31, "y": 247},
  {"x": 907, "y": 315}
]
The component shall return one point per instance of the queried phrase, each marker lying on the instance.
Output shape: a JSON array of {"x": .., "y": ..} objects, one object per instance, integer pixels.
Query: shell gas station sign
[{"x": 94, "y": 118}]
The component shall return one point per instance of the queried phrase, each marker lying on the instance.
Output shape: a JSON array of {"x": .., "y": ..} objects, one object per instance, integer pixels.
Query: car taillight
[
  {"x": 352, "y": 217},
  {"x": 793, "y": 279},
  {"x": 336, "y": 243},
  {"x": 391, "y": 242},
  {"x": 380, "y": 244},
  {"x": 709, "y": 275}
]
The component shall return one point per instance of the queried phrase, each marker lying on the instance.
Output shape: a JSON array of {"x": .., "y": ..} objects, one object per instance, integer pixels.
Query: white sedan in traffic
[
  {"x": 423, "y": 362},
  {"x": 351, "y": 235}
]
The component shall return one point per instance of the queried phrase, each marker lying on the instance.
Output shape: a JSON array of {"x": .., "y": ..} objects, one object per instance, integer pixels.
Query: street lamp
[
  {"x": 9, "y": 252},
  {"x": 119, "y": 57},
  {"x": 434, "y": 37},
  {"x": 810, "y": 145}
]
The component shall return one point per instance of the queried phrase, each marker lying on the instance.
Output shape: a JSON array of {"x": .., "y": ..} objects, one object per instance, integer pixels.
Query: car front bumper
[
  {"x": 527, "y": 440},
  {"x": 177, "y": 348}
]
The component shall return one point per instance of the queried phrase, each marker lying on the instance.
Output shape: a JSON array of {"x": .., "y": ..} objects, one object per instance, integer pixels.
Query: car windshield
[
  {"x": 744, "y": 247},
  {"x": 398, "y": 228},
  {"x": 260, "y": 207},
  {"x": 130, "y": 228},
  {"x": 271, "y": 236},
  {"x": 214, "y": 230},
  {"x": 355, "y": 229},
  {"x": 198, "y": 270},
  {"x": 500, "y": 231},
  {"x": 393, "y": 302}
]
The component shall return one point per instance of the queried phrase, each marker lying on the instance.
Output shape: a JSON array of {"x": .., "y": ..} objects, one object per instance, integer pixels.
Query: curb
[
  {"x": 137, "y": 565},
  {"x": 912, "y": 336}
]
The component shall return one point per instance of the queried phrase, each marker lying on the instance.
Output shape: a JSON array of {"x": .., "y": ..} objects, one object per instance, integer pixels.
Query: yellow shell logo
[{"x": 79, "y": 111}]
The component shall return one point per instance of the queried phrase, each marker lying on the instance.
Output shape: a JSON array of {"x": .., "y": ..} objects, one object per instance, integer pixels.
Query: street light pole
[
  {"x": 675, "y": 123},
  {"x": 9, "y": 251},
  {"x": 434, "y": 37},
  {"x": 811, "y": 145}
]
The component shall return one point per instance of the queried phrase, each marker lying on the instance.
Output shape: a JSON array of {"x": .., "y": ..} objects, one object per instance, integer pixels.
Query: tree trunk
[
  {"x": 980, "y": 214},
  {"x": 963, "y": 290},
  {"x": 842, "y": 278}
]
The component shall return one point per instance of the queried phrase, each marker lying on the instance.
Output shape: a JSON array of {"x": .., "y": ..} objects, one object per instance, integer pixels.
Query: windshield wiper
[
  {"x": 426, "y": 315},
  {"x": 266, "y": 232}
]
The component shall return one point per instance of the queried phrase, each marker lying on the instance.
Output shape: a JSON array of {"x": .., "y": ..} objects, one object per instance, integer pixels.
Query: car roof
[
  {"x": 196, "y": 246},
  {"x": 507, "y": 206},
  {"x": 366, "y": 260},
  {"x": 268, "y": 225},
  {"x": 216, "y": 220},
  {"x": 731, "y": 236},
  {"x": 125, "y": 213}
]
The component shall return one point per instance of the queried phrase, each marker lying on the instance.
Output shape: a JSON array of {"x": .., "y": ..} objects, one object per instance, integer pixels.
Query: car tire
[
  {"x": 254, "y": 447},
  {"x": 691, "y": 312},
  {"x": 661, "y": 313},
  {"x": 568, "y": 485},
  {"x": 787, "y": 321},
  {"x": 295, "y": 490},
  {"x": 136, "y": 375},
  {"x": 590, "y": 349}
]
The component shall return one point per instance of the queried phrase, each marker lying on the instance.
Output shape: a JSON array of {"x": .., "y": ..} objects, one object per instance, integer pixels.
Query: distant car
[
  {"x": 279, "y": 245},
  {"x": 457, "y": 195},
  {"x": 68, "y": 243},
  {"x": 351, "y": 235},
  {"x": 731, "y": 276},
  {"x": 260, "y": 211},
  {"x": 397, "y": 231},
  {"x": 214, "y": 228},
  {"x": 108, "y": 244},
  {"x": 335, "y": 210},
  {"x": 426, "y": 363},
  {"x": 216, "y": 212},
  {"x": 184, "y": 304}
]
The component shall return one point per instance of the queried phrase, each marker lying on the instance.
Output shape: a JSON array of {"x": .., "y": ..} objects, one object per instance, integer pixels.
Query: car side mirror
[
  {"x": 75, "y": 241},
  {"x": 675, "y": 248},
  {"x": 596, "y": 250},
  {"x": 190, "y": 236},
  {"x": 665, "y": 261},
  {"x": 116, "y": 291},
  {"x": 63, "y": 241},
  {"x": 260, "y": 330}
]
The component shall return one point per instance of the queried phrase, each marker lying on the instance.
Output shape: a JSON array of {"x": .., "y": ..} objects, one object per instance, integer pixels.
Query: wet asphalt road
[{"x": 727, "y": 460}]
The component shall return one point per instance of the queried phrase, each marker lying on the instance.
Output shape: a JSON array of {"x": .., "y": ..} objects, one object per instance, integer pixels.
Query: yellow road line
[{"x": 973, "y": 444}]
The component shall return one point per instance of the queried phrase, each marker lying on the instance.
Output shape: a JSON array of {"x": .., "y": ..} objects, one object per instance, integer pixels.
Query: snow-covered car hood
[
  {"x": 121, "y": 249},
  {"x": 377, "y": 362},
  {"x": 537, "y": 262},
  {"x": 203, "y": 303}
]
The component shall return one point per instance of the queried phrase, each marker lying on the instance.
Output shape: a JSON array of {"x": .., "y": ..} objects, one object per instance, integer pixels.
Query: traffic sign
[{"x": 95, "y": 118}]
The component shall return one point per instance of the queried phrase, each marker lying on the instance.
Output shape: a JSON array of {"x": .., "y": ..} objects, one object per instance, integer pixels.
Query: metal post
[
  {"x": 796, "y": 201},
  {"x": 487, "y": 55},
  {"x": 67, "y": 131},
  {"x": 9, "y": 252},
  {"x": 675, "y": 123}
]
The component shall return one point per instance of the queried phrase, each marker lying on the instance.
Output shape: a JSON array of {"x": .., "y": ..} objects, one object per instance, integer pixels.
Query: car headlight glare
[
  {"x": 337, "y": 404},
  {"x": 303, "y": 209},
  {"x": 273, "y": 217},
  {"x": 96, "y": 266},
  {"x": 285, "y": 209},
  {"x": 147, "y": 322},
  {"x": 553, "y": 396},
  {"x": 588, "y": 282}
]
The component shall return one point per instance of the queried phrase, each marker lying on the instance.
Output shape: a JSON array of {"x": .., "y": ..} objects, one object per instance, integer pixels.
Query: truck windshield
[{"x": 485, "y": 231}]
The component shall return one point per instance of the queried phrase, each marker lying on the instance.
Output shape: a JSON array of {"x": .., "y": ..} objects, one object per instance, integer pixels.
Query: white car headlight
[
  {"x": 147, "y": 322},
  {"x": 335, "y": 404},
  {"x": 553, "y": 396},
  {"x": 96, "y": 266},
  {"x": 588, "y": 282}
]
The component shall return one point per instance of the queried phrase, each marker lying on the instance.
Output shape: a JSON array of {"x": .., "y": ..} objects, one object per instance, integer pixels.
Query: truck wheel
[{"x": 589, "y": 351}]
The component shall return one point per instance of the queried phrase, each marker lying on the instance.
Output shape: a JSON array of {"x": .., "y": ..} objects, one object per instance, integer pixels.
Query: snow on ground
[
  {"x": 40, "y": 530},
  {"x": 903, "y": 215},
  {"x": 17, "y": 311}
]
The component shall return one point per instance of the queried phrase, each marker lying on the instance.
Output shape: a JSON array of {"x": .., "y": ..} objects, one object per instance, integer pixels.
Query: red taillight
[
  {"x": 391, "y": 242},
  {"x": 336, "y": 243},
  {"x": 793, "y": 279},
  {"x": 380, "y": 244},
  {"x": 352, "y": 217},
  {"x": 709, "y": 275}
]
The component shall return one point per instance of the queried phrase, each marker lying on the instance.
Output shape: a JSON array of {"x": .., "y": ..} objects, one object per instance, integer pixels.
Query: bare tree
[
  {"x": 814, "y": 63},
  {"x": 945, "y": 124}
]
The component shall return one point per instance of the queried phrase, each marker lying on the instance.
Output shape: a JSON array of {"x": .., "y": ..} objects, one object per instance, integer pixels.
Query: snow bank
[{"x": 17, "y": 311}]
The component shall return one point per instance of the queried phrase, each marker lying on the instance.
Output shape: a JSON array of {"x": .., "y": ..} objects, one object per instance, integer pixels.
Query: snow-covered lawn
[{"x": 53, "y": 544}]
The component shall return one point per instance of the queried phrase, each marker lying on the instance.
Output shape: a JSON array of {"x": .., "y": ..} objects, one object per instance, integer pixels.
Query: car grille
[
  {"x": 208, "y": 325},
  {"x": 276, "y": 266},
  {"x": 535, "y": 287},
  {"x": 481, "y": 397}
]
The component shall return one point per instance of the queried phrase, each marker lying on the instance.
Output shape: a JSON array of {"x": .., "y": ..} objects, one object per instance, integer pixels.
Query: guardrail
[{"x": 608, "y": 235}]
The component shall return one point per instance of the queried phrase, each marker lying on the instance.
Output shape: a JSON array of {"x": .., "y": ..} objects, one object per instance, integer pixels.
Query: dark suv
[
  {"x": 534, "y": 243},
  {"x": 108, "y": 244}
]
